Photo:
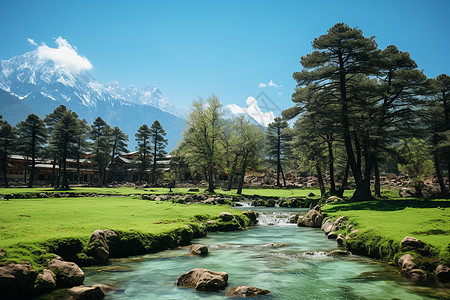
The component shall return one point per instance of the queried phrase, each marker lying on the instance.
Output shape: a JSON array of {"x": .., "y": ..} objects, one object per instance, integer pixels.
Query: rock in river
[
  {"x": 16, "y": 279},
  {"x": 67, "y": 273},
  {"x": 200, "y": 250},
  {"x": 243, "y": 291},
  {"x": 203, "y": 280},
  {"x": 86, "y": 292},
  {"x": 313, "y": 218}
]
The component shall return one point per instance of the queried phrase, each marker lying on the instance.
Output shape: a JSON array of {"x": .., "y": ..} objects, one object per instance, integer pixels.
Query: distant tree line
[{"x": 62, "y": 135}]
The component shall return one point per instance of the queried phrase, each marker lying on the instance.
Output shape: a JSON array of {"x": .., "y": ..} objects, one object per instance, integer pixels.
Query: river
[{"x": 300, "y": 269}]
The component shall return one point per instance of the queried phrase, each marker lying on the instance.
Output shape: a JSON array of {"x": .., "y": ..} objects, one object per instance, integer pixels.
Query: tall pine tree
[
  {"x": 100, "y": 135},
  {"x": 278, "y": 137},
  {"x": 159, "y": 144},
  {"x": 144, "y": 147},
  {"x": 51, "y": 120},
  {"x": 64, "y": 142},
  {"x": 32, "y": 138},
  {"x": 7, "y": 138}
]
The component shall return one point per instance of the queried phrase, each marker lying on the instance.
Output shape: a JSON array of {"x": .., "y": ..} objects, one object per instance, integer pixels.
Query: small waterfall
[
  {"x": 243, "y": 204},
  {"x": 274, "y": 218}
]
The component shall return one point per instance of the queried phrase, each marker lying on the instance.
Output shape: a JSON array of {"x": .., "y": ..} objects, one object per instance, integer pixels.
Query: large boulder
[
  {"x": 443, "y": 273},
  {"x": 203, "y": 280},
  {"x": 200, "y": 250},
  {"x": 226, "y": 216},
  {"x": 16, "y": 279},
  {"x": 410, "y": 269},
  {"x": 338, "y": 223},
  {"x": 46, "y": 280},
  {"x": 327, "y": 226},
  {"x": 98, "y": 246},
  {"x": 313, "y": 218},
  {"x": 412, "y": 242},
  {"x": 86, "y": 292},
  {"x": 406, "y": 262},
  {"x": 67, "y": 273},
  {"x": 243, "y": 291}
]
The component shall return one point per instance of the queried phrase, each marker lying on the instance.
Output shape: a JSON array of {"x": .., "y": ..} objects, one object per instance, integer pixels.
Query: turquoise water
[{"x": 299, "y": 270}]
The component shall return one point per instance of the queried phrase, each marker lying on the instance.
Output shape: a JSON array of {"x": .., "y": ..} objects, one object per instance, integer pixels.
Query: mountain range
[{"x": 30, "y": 84}]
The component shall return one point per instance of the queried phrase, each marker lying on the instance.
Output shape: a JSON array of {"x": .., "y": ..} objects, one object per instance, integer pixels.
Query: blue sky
[{"x": 195, "y": 48}]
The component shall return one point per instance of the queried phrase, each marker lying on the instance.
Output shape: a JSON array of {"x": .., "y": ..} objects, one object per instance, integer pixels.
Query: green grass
[
  {"x": 36, "y": 220},
  {"x": 427, "y": 220},
  {"x": 27, "y": 224}
]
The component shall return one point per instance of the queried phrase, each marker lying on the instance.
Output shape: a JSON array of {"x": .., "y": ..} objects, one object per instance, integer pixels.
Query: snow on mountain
[
  {"x": 36, "y": 83},
  {"x": 252, "y": 112},
  {"x": 27, "y": 73}
]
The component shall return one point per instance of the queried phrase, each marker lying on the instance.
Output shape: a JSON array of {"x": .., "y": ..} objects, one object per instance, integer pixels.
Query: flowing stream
[{"x": 289, "y": 261}]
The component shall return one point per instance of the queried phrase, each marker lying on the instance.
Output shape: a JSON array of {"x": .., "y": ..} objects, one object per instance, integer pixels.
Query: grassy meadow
[
  {"x": 35, "y": 220},
  {"x": 383, "y": 224},
  {"x": 26, "y": 223}
]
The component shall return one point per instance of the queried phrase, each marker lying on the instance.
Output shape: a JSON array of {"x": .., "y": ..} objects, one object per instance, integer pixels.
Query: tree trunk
[
  {"x": 331, "y": 167},
  {"x": 319, "y": 176},
  {"x": 448, "y": 172},
  {"x": 58, "y": 178},
  {"x": 284, "y": 179},
  {"x": 5, "y": 166},
  {"x": 65, "y": 183},
  {"x": 52, "y": 177},
  {"x": 154, "y": 164},
  {"x": 232, "y": 172},
  {"x": 361, "y": 192},
  {"x": 439, "y": 173},
  {"x": 101, "y": 176},
  {"x": 278, "y": 158},
  {"x": 241, "y": 179},
  {"x": 33, "y": 163},
  {"x": 78, "y": 170},
  {"x": 340, "y": 193},
  {"x": 210, "y": 178},
  {"x": 377, "y": 179}
]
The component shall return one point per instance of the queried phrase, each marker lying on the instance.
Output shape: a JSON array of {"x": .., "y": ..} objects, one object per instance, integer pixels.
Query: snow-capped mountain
[
  {"x": 28, "y": 73},
  {"x": 32, "y": 84}
]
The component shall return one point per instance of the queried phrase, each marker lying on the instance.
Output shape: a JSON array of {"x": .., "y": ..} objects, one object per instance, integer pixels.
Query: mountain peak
[{"x": 53, "y": 76}]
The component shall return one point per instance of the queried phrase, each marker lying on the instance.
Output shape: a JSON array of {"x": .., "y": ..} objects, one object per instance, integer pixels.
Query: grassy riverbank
[
  {"x": 27, "y": 223},
  {"x": 383, "y": 224},
  {"x": 267, "y": 192}
]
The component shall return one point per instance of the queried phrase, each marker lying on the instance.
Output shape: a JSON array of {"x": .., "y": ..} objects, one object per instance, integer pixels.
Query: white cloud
[
  {"x": 235, "y": 109},
  {"x": 270, "y": 83},
  {"x": 64, "y": 56},
  {"x": 280, "y": 94},
  {"x": 254, "y": 111},
  {"x": 31, "y": 41}
]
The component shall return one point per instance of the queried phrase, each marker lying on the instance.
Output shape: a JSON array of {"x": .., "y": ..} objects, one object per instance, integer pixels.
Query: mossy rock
[
  {"x": 219, "y": 225},
  {"x": 67, "y": 248}
]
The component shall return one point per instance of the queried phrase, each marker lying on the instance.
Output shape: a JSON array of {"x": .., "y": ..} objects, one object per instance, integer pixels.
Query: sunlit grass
[{"x": 427, "y": 220}]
